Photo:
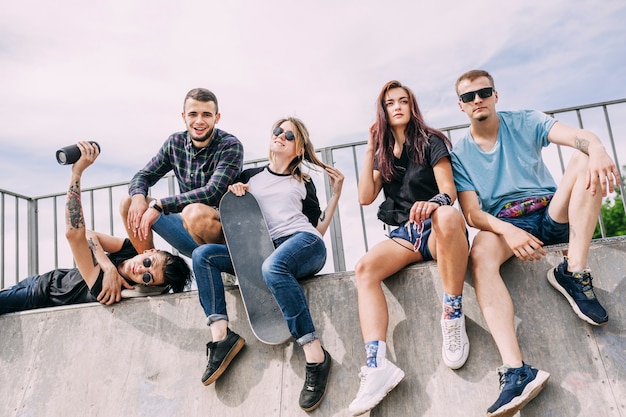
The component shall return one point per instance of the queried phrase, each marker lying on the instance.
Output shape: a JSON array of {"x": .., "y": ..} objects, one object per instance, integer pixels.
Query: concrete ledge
[{"x": 144, "y": 357}]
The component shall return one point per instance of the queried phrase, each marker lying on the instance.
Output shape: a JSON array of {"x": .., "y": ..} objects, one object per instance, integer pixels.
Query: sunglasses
[
  {"x": 288, "y": 134},
  {"x": 471, "y": 95},
  {"x": 420, "y": 229},
  {"x": 147, "y": 276}
]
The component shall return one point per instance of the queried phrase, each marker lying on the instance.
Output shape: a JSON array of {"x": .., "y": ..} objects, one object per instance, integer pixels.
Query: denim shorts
[
  {"x": 540, "y": 224},
  {"x": 402, "y": 232}
]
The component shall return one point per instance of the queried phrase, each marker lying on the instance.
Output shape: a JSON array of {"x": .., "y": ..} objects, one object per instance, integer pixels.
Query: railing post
[
  {"x": 33, "y": 234},
  {"x": 336, "y": 239},
  {"x": 2, "y": 217}
]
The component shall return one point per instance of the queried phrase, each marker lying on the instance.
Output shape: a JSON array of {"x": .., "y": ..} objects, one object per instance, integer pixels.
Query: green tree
[{"x": 613, "y": 215}]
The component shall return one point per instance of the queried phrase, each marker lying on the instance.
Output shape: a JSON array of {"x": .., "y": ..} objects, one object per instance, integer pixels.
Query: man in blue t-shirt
[{"x": 507, "y": 193}]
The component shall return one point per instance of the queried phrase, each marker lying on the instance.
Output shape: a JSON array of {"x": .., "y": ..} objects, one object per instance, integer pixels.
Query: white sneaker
[
  {"x": 455, "y": 349},
  {"x": 375, "y": 385}
]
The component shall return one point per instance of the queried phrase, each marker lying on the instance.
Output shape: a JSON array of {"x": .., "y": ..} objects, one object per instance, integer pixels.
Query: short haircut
[
  {"x": 201, "y": 94},
  {"x": 176, "y": 272},
  {"x": 471, "y": 76}
]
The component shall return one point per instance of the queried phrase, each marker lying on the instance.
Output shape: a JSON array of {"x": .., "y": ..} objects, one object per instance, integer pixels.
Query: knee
[
  {"x": 448, "y": 220},
  {"x": 270, "y": 270},
  {"x": 199, "y": 215},
  {"x": 579, "y": 162},
  {"x": 364, "y": 273},
  {"x": 203, "y": 255},
  {"x": 125, "y": 205},
  {"x": 191, "y": 213}
]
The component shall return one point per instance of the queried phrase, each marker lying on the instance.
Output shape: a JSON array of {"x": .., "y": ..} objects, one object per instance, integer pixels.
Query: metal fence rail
[{"x": 32, "y": 238}]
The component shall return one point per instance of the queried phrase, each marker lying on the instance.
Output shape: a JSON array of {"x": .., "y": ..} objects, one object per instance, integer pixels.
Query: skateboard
[{"x": 249, "y": 244}]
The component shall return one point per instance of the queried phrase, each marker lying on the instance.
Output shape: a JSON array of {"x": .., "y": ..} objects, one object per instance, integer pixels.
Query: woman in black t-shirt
[{"x": 410, "y": 162}]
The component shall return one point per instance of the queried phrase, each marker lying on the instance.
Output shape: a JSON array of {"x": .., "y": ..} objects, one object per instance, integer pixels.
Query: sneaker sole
[
  {"x": 396, "y": 378},
  {"x": 530, "y": 392},
  {"x": 552, "y": 280},
  {"x": 229, "y": 357}
]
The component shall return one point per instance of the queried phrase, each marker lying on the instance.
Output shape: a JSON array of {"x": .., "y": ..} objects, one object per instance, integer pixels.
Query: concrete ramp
[{"x": 145, "y": 357}]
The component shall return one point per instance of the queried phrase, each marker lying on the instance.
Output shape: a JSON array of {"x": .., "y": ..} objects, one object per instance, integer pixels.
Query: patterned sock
[
  {"x": 374, "y": 351},
  {"x": 452, "y": 306}
]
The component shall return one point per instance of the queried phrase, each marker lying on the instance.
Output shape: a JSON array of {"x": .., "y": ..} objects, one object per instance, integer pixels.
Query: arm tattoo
[
  {"x": 323, "y": 216},
  {"x": 92, "y": 246},
  {"x": 73, "y": 208},
  {"x": 582, "y": 145}
]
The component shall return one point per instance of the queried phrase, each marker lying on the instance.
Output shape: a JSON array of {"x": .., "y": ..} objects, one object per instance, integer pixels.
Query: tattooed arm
[
  {"x": 602, "y": 174},
  {"x": 75, "y": 232}
]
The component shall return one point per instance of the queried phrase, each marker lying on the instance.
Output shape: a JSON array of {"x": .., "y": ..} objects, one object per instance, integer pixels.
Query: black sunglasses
[
  {"x": 288, "y": 134},
  {"x": 471, "y": 95},
  {"x": 147, "y": 276}
]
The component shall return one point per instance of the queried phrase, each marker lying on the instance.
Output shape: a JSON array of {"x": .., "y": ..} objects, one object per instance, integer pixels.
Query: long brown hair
[
  {"x": 304, "y": 148},
  {"x": 416, "y": 132}
]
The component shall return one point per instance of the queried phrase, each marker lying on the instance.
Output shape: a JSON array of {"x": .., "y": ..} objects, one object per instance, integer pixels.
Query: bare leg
[
  {"x": 383, "y": 260},
  {"x": 313, "y": 352},
  {"x": 572, "y": 197},
  {"x": 218, "y": 330},
  {"x": 489, "y": 251},
  {"x": 449, "y": 246}
]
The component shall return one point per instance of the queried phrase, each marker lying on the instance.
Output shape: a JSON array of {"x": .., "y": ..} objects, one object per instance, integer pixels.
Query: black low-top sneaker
[
  {"x": 220, "y": 355},
  {"x": 577, "y": 288},
  {"x": 315, "y": 382}
]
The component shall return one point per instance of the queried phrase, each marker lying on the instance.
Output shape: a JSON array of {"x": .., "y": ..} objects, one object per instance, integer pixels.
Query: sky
[{"x": 117, "y": 71}]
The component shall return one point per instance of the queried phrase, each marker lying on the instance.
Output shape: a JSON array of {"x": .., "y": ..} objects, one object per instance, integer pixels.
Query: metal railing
[{"x": 32, "y": 228}]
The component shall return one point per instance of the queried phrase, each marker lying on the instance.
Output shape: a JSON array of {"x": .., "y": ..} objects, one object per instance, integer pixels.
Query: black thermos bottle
[{"x": 70, "y": 154}]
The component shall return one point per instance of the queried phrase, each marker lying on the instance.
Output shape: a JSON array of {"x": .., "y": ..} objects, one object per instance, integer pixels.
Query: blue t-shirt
[{"x": 513, "y": 169}]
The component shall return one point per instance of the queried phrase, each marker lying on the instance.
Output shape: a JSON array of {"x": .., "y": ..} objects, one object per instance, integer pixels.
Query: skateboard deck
[{"x": 249, "y": 244}]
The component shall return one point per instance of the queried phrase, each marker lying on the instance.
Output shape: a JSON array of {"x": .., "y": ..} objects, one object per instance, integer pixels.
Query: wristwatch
[{"x": 153, "y": 204}]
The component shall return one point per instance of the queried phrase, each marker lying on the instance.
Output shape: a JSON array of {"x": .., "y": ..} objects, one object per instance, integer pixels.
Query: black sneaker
[
  {"x": 578, "y": 290},
  {"x": 315, "y": 381},
  {"x": 222, "y": 353},
  {"x": 517, "y": 387}
]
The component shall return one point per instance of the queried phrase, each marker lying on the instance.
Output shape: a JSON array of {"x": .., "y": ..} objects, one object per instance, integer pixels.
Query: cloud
[{"x": 117, "y": 72}]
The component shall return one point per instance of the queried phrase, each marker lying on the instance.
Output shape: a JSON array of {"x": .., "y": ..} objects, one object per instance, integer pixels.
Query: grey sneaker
[{"x": 220, "y": 355}]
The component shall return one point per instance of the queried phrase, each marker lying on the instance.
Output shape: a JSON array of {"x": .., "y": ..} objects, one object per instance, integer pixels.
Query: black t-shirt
[
  {"x": 67, "y": 286},
  {"x": 418, "y": 182}
]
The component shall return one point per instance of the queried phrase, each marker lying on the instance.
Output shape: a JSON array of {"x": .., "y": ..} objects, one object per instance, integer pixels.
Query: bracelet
[{"x": 442, "y": 199}]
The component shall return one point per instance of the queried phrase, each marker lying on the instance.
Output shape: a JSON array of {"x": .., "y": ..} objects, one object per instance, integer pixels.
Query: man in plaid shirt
[{"x": 205, "y": 161}]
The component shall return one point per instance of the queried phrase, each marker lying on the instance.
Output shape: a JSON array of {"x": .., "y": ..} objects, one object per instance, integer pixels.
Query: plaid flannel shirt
[{"x": 203, "y": 175}]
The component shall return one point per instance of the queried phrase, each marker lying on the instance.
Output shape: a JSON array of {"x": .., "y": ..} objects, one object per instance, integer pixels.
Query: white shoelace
[{"x": 452, "y": 335}]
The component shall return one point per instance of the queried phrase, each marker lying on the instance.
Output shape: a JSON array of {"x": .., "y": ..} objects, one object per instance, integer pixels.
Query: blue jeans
[
  {"x": 297, "y": 256},
  {"x": 18, "y": 297},
  {"x": 170, "y": 227},
  {"x": 540, "y": 224}
]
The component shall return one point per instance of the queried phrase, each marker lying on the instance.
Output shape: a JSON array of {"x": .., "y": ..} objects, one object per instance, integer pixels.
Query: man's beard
[{"x": 203, "y": 138}]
